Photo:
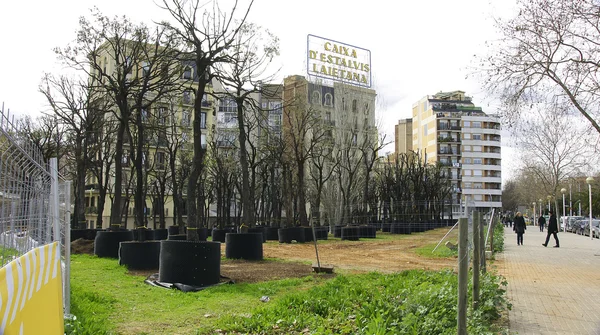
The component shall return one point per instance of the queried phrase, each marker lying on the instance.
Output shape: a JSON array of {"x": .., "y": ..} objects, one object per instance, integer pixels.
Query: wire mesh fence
[{"x": 34, "y": 203}]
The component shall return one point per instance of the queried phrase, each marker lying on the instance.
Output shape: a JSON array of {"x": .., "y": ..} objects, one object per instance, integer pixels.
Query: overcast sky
[{"x": 418, "y": 48}]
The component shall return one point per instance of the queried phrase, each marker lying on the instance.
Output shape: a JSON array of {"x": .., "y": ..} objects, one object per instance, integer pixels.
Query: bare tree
[
  {"x": 73, "y": 107},
  {"x": 548, "y": 52},
  {"x": 251, "y": 52},
  {"x": 209, "y": 32},
  {"x": 552, "y": 148}
]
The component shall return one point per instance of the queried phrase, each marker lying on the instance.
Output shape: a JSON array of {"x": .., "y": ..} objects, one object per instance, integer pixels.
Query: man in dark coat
[
  {"x": 552, "y": 230},
  {"x": 519, "y": 227},
  {"x": 542, "y": 222}
]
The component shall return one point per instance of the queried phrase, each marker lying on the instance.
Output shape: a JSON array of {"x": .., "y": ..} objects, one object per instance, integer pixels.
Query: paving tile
[{"x": 552, "y": 290}]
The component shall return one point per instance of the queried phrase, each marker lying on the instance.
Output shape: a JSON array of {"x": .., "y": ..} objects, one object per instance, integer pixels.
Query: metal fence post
[
  {"x": 463, "y": 275},
  {"x": 476, "y": 257}
]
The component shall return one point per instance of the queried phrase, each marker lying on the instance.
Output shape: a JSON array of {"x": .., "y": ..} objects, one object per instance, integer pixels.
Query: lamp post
[
  {"x": 549, "y": 197},
  {"x": 534, "y": 217},
  {"x": 589, "y": 181},
  {"x": 541, "y": 204},
  {"x": 563, "y": 191}
]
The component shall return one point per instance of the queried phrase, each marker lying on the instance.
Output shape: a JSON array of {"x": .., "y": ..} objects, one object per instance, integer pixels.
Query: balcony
[
  {"x": 448, "y": 139},
  {"x": 448, "y": 152}
]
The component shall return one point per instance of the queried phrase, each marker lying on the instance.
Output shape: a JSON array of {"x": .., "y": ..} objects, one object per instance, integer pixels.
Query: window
[
  {"x": 366, "y": 109},
  {"x": 477, "y": 186},
  {"x": 476, "y": 124},
  {"x": 160, "y": 160},
  {"x": 467, "y": 136},
  {"x": 476, "y": 160},
  {"x": 275, "y": 121},
  {"x": 477, "y": 136},
  {"x": 354, "y": 106},
  {"x": 187, "y": 97},
  {"x": 187, "y": 73},
  {"x": 186, "y": 118},
  {"x": 466, "y": 160},
  {"x": 344, "y": 105},
  {"x": 203, "y": 141},
  {"x": 424, "y": 130},
  {"x": 477, "y": 148},
  {"x": 354, "y": 139},
  {"x": 162, "y": 115},
  {"x": 144, "y": 114},
  {"x": 478, "y": 197},
  {"x": 184, "y": 136},
  {"x": 328, "y": 99},
  {"x": 467, "y": 124},
  {"x": 145, "y": 69},
  {"x": 467, "y": 185},
  {"x": 316, "y": 98},
  {"x": 203, "y": 120},
  {"x": 327, "y": 116},
  {"x": 466, "y": 172},
  {"x": 466, "y": 148},
  {"x": 477, "y": 173},
  {"x": 205, "y": 102}
]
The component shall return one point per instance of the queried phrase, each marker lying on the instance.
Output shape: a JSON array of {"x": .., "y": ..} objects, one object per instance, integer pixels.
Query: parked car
[
  {"x": 570, "y": 221},
  {"x": 578, "y": 225},
  {"x": 586, "y": 228}
]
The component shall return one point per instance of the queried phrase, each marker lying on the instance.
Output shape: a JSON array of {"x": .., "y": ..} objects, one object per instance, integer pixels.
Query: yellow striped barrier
[{"x": 31, "y": 293}]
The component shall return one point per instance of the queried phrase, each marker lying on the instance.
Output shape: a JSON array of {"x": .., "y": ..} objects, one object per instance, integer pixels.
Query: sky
[{"x": 418, "y": 48}]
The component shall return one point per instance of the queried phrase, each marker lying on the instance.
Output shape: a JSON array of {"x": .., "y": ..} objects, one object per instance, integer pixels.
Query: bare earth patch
[{"x": 381, "y": 255}]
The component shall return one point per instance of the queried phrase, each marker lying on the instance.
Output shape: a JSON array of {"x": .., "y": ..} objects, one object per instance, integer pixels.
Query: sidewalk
[{"x": 552, "y": 290}]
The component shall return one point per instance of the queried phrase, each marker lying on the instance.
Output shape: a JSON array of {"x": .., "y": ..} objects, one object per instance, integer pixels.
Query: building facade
[{"x": 448, "y": 129}]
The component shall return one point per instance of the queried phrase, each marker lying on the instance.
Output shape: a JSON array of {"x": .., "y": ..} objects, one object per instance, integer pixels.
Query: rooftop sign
[{"x": 329, "y": 59}]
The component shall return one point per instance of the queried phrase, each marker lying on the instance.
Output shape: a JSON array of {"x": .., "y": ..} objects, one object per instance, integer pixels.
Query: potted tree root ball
[{"x": 195, "y": 263}]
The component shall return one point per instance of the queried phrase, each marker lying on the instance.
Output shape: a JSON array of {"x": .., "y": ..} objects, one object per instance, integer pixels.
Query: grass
[{"x": 107, "y": 300}]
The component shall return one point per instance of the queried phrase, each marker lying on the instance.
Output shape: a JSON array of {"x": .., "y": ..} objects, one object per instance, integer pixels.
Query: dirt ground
[{"x": 380, "y": 255}]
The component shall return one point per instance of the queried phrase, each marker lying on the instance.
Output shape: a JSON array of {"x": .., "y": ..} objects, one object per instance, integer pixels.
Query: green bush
[
  {"x": 411, "y": 302},
  {"x": 498, "y": 237}
]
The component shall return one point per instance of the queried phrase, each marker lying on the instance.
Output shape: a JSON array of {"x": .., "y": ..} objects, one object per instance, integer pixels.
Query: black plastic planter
[
  {"x": 287, "y": 235},
  {"x": 160, "y": 234},
  {"x": 258, "y": 230},
  {"x": 140, "y": 255},
  {"x": 271, "y": 233},
  {"x": 350, "y": 233},
  {"x": 181, "y": 237},
  {"x": 218, "y": 235},
  {"x": 386, "y": 227},
  {"x": 337, "y": 231},
  {"x": 106, "y": 243},
  {"x": 368, "y": 231},
  {"x": 400, "y": 228},
  {"x": 322, "y": 232},
  {"x": 308, "y": 234},
  {"x": 190, "y": 262},
  {"x": 244, "y": 246},
  {"x": 174, "y": 230}
]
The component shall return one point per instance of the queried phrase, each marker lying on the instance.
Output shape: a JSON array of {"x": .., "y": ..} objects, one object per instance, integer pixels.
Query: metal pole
[
  {"x": 476, "y": 259},
  {"x": 463, "y": 275},
  {"x": 570, "y": 201},
  {"x": 563, "y": 217},
  {"x": 590, "y": 190},
  {"x": 482, "y": 244}
]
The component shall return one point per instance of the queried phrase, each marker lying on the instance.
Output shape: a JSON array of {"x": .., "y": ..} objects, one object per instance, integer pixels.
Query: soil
[{"x": 389, "y": 255}]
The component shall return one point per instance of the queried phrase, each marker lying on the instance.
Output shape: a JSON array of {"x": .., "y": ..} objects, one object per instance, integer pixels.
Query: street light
[
  {"x": 541, "y": 210},
  {"x": 534, "y": 216},
  {"x": 549, "y": 197},
  {"x": 563, "y": 191},
  {"x": 589, "y": 181}
]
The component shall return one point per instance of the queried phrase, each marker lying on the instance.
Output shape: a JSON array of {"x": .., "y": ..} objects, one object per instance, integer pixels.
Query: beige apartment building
[{"x": 447, "y": 128}]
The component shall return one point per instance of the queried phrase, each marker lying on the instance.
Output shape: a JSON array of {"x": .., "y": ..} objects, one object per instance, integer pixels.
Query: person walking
[
  {"x": 542, "y": 222},
  {"x": 552, "y": 230},
  {"x": 519, "y": 227}
]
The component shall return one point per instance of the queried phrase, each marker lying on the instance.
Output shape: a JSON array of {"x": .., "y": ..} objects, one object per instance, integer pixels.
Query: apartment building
[{"x": 447, "y": 128}]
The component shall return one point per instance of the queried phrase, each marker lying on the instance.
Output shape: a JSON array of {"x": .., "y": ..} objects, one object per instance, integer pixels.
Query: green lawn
[{"x": 106, "y": 299}]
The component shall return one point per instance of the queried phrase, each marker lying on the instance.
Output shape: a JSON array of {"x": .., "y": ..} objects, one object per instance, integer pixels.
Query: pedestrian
[
  {"x": 552, "y": 230},
  {"x": 542, "y": 222},
  {"x": 519, "y": 227}
]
